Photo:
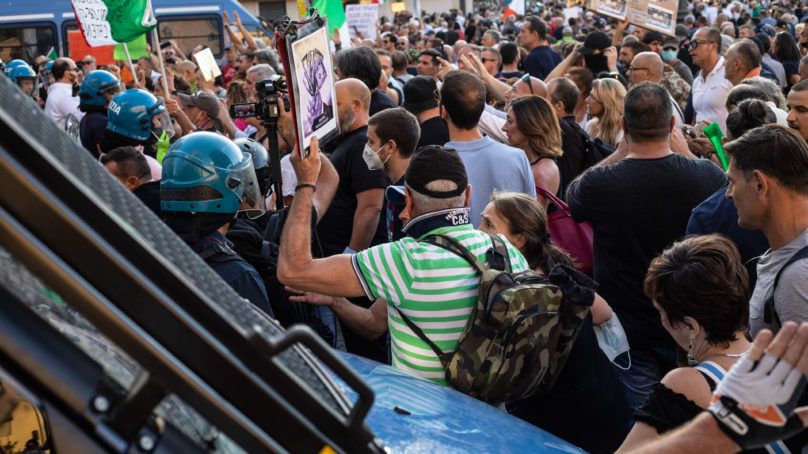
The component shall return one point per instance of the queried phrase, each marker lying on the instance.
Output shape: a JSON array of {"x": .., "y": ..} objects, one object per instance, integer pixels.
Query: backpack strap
[
  {"x": 769, "y": 311},
  {"x": 444, "y": 357},
  {"x": 497, "y": 256}
]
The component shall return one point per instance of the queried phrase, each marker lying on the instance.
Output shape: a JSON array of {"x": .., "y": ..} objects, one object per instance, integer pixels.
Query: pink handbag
[{"x": 573, "y": 237}]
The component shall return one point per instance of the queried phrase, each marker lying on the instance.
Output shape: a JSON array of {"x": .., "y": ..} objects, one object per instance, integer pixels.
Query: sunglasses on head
[{"x": 526, "y": 79}]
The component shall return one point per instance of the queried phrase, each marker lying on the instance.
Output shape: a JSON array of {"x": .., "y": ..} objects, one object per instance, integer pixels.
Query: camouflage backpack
[{"x": 520, "y": 331}]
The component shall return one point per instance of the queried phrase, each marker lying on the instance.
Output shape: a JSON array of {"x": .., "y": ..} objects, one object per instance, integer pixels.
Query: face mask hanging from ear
[{"x": 372, "y": 159}]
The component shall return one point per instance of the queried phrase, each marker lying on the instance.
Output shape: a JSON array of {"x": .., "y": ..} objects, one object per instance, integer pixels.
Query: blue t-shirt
[
  {"x": 541, "y": 61},
  {"x": 717, "y": 214},
  {"x": 490, "y": 166}
]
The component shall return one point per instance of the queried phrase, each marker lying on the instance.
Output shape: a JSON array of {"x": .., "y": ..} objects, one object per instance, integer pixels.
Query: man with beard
[{"x": 352, "y": 221}]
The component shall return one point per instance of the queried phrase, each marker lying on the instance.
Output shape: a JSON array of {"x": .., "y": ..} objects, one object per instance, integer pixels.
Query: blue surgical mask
[{"x": 668, "y": 55}]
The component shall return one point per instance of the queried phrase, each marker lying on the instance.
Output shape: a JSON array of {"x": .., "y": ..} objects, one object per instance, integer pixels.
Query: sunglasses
[
  {"x": 526, "y": 79},
  {"x": 696, "y": 42}
]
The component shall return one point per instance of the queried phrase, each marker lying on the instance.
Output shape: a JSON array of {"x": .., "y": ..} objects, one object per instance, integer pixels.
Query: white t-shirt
[{"x": 62, "y": 103}]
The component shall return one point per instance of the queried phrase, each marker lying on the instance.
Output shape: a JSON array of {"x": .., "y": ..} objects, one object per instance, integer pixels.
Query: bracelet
[{"x": 301, "y": 186}]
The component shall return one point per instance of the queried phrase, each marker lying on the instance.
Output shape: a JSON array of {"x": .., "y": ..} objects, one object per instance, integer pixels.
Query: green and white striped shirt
[{"x": 434, "y": 287}]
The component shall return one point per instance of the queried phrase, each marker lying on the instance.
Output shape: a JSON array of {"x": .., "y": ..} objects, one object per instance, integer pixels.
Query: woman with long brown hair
[{"x": 532, "y": 126}]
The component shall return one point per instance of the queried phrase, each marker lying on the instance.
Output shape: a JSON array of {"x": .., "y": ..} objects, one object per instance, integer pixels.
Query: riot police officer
[
  {"x": 24, "y": 76},
  {"x": 206, "y": 182},
  {"x": 96, "y": 91},
  {"x": 136, "y": 117}
]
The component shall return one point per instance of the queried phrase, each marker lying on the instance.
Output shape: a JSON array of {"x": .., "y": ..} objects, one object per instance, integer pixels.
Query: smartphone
[{"x": 243, "y": 110}]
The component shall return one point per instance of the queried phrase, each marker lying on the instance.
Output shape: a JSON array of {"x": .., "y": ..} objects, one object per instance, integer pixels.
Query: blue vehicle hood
[{"x": 414, "y": 415}]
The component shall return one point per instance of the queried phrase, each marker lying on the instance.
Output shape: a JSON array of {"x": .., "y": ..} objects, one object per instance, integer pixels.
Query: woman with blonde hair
[
  {"x": 532, "y": 126},
  {"x": 605, "y": 107}
]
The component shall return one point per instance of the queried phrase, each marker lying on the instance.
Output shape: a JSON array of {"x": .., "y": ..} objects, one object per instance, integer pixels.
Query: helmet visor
[
  {"x": 29, "y": 85},
  {"x": 161, "y": 122},
  {"x": 243, "y": 180}
]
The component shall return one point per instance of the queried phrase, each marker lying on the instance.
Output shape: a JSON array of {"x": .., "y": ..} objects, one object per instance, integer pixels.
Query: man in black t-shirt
[
  {"x": 352, "y": 219},
  {"x": 419, "y": 100},
  {"x": 563, "y": 95},
  {"x": 638, "y": 201}
]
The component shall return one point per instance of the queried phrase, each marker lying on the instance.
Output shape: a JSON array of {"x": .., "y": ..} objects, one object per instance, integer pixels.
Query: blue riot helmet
[
  {"x": 205, "y": 172},
  {"x": 25, "y": 77},
  {"x": 96, "y": 86},
  {"x": 260, "y": 160},
  {"x": 13, "y": 64},
  {"x": 138, "y": 115}
]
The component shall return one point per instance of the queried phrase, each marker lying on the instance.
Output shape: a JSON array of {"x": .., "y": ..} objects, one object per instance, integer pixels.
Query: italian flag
[
  {"x": 105, "y": 22},
  {"x": 513, "y": 7},
  {"x": 334, "y": 10}
]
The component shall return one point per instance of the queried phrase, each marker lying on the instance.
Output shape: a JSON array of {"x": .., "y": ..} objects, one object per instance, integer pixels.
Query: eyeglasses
[
  {"x": 484, "y": 60},
  {"x": 436, "y": 94},
  {"x": 635, "y": 68},
  {"x": 526, "y": 79},
  {"x": 696, "y": 42}
]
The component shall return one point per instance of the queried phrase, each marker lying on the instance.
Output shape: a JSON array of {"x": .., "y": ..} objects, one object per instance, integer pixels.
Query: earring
[{"x": 690, "y": 359}]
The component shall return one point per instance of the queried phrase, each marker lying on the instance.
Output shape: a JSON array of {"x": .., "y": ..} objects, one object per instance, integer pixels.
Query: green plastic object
[
  {"x": 713, "y": 132},
  {"x": 162, "y": 147}
]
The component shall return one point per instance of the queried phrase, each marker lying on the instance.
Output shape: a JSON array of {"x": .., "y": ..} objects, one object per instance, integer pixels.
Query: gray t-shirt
[{"x": 791, "y": 297}]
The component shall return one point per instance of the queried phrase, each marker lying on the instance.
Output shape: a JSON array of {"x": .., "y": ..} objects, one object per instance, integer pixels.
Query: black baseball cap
[
  {"x": 419, "y": 94},
  {"x": 596, "y": 40},
  {"x": 434, "y": 162}
]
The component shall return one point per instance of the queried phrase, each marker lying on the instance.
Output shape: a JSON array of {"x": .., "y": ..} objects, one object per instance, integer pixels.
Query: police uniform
[{"x": 219, "y": 254}]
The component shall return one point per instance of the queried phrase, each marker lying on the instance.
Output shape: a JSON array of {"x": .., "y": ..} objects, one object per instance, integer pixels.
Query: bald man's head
[
  {"x": 646, "y": 67},
  {"x": 353, "y": 104}
]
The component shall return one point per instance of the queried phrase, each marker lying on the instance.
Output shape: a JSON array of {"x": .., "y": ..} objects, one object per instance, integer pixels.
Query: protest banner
[
  {"x": 658, "y": 15},
  {"x": 362, "y": 18}
]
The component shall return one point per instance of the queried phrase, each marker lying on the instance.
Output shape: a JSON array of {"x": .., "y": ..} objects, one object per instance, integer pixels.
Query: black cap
[
  {"x": 419, "y": 94},
  {"x": 434, "y": 162},
  {"x": 651, "y": 36},
  {"x": 596, "y": 40}
]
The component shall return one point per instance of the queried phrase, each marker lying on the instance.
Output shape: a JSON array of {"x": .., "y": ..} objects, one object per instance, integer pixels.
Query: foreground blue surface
[{"x": 413, "y": 415}]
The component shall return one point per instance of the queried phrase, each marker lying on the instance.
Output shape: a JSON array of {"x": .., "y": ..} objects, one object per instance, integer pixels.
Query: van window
[
  {"x": 27, "y": 42},
  {"x": 189, "y": 32}
]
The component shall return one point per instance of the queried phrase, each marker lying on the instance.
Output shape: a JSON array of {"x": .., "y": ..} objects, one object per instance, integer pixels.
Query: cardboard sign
[
  {"x": 397, "y": 7},
  {"x": 92, "y": 18},
  {"x": 362, "y": 18},
  {"x": 571, "y": 13},
  {"x": 207, "y": 64},
  {"x": 659, "y": 15}
]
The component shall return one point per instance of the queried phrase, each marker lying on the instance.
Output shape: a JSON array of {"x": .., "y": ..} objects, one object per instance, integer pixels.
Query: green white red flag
[{"x": 104, "y": 22}]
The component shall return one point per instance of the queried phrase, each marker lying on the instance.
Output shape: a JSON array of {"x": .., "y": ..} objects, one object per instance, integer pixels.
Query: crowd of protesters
[{"x": 474, "y": 123}]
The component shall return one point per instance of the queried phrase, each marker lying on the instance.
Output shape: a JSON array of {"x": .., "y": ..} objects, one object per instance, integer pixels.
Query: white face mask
[
  {"x": 372, "y": 159},
  {"x": 613, "y": 342}
]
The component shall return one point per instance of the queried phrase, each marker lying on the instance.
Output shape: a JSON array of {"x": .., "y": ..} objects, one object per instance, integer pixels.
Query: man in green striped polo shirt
[{"x": 433, "y": 287}]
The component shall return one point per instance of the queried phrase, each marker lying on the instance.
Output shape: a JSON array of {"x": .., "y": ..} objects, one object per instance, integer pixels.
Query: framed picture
[{"x": 311, "y": 77}]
